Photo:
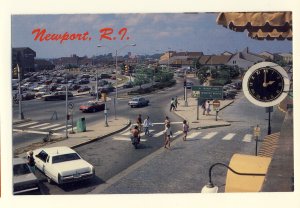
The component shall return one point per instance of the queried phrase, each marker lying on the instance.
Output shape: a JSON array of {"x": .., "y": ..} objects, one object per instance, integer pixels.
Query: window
[
  {"x": 42, "y": 155},
  {"x": 65, "y": 158}
]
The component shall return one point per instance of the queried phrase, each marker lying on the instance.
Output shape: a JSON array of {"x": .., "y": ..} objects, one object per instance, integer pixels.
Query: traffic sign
[
  {"x": 208, "y": 92},
  {"x": 70, "y": 105},
  {"x": 216, "y": 103},
  {"x": 256, "y": 131}
]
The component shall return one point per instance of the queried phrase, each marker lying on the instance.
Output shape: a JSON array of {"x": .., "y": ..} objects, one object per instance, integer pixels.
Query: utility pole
[
  {"x": 21, "y": 115},
  {"x": 97, "y": 93},
  {"x": 67, "y": 113}
]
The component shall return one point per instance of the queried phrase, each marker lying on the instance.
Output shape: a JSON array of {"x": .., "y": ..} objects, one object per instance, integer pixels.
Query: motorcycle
[{"x": 135, "y": 141}]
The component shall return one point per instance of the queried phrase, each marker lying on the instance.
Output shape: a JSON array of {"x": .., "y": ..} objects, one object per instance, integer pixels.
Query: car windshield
[
  {"x": 65, "y": 158},
  {"x": 135, "y": 99},
  {"x": 21, "y": 169}
]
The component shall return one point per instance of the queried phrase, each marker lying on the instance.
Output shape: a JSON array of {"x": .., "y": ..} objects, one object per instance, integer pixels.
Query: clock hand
[
  {"x": 270, "y": 82},
  {"x": 265, "y": 84}
]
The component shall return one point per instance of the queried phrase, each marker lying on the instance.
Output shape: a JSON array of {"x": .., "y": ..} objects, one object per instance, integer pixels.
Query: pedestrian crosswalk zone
[
  {"x": 125, "y": 136},
  {"x": 44, "y": 128},
  {"x": 36, "y": 127}
]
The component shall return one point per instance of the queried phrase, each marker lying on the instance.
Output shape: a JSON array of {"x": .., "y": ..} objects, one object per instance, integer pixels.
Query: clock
[{"x": 266, "y": 84}]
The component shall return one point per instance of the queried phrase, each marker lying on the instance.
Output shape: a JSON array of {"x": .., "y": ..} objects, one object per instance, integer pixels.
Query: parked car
[
  {"x": 128, "y": 85},
  {"x": 107, "y": 88},
  {"x": 62, "y": 165},
  {"x": 92, "y": 106},
  {"x": 28, "y": 96},
  {"x": 113, "y": 77},
  {"x": 24, "y": 180},
  {"x": 40, "y": 87},
  {"x": 104, "y": 76},
  {"x": 60, "y": 95},
  {"x": 138, "y": 102},
  {"x": 74, "y": 87},
  {"x": 83, "y": 81},
  {"x": 83, "y": 89},
  {"x": 189, "y": 85}
]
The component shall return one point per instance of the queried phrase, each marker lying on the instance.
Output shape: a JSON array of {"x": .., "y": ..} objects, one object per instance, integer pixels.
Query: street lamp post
[
  {"x": 97, "y": 93},
  {"x": 116, "y": 94},
  {"x": 211, "y": 188},
  {"x": 67, "y": 113},
  {"x": 21, "y": 115}
]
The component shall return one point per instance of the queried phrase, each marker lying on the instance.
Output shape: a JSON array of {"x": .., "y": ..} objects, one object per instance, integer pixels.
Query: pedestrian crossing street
[
  {"x": 125, "y": 136},
  {"x": 36, "y": 127}
]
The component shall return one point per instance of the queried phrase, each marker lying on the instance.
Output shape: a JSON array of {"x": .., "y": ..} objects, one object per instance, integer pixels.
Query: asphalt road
[{"x": 114, "y": 154}]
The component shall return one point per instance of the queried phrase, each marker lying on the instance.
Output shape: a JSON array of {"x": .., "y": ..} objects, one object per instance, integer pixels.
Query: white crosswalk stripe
[
  {"x": 247, "y": 138},
  {"x": 49, "y": 127},
  {"x": 58, "y": 128},
  {"x": 228, "y": 136},
  {"x": 126, "y": 139},
  {"x": 193, "y": 135},
  {"x": 44, "y": 124},
  {"x": 159, "y": 133},
  {"x": 27, "y": 124},
  {"x": 210, "y": 135},
  {"x": 177, "y": 133}
]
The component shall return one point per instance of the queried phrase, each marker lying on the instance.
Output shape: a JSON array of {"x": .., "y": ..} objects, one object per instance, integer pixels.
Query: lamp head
[{"x": 210, "y": 188}]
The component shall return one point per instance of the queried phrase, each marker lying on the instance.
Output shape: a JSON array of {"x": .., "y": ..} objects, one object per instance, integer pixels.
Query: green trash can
[{"x": 81, "y": 126}]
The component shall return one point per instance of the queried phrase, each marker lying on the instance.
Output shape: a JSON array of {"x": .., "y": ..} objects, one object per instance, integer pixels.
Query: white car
[{"x": 62, "y": 165}]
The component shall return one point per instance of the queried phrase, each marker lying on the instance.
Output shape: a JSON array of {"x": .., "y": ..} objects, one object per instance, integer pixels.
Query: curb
[
  {"x": 102, "y": 137},
  {"x": 21, "y": 121},
  {"x": 212, "y": 126}
]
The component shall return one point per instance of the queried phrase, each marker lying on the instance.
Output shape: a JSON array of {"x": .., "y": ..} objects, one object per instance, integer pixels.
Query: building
[
  {"x": 245, "y": 59},
  {"x": 24, "y": 57},
  {"x": 269, "y": 56},
  {"x": 286, "y": 57},
  {"x": 42, "y": 64}
]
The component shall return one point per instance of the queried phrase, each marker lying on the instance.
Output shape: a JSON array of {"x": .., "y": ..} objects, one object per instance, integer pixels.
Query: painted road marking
[
  {"x": 126, "y": 139},
  {"x": 172, "y": 122},
  {"x": 36, "y": 132},
  {"x": 247, "y": 138},
  {"x": 159, "y": 133},
  {"x": 27, "y": 124},
  {"x": 210, "y": 135},
  {"x": 48, "y": 127},
  {"x": 177, "y": 133},
  {"x": 229, "y": 136},
  {"x": 192, "y": 135},
  {"x": 44, "y": 124},
  {"x": 61, "y": 127}
]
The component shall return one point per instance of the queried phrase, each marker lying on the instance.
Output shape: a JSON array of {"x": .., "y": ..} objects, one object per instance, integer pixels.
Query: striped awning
[{"x": 260, "y": 25}]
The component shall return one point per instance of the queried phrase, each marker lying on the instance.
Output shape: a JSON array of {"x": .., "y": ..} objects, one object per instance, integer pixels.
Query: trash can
[{"x": 81, "y": 126}]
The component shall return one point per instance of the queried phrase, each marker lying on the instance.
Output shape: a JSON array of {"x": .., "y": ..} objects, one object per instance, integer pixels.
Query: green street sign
[{"x": 208, "y": 92}]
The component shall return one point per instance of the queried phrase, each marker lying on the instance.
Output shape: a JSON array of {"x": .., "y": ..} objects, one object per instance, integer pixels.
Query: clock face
[{"x": 265, "y": 84}]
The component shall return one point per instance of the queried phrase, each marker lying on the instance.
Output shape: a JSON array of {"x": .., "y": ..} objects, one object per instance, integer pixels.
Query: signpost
[
  {"x": 208, "y": 93},
  {"x": 216, "y": 105},
  {"x": 256, "y": 133},
  {"x": 70, "y": 106}
]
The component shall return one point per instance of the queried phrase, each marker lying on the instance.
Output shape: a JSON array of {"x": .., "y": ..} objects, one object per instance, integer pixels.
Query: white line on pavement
[
  {"x": 48, "y": 127},
  {"x": 126, "y": 139},
  {"x": 35, "y": 132},
  {"x": 210, "y": 135},
  {"x": 27, "y": 124},
  {"x": 177, "y": 133},
  {"x": 228, "y": 136},
  {"x": 247, "y": 138},
  {"x": 61, "y": 127},
  {"x": 172, "y": 122},
  {"x": 159, "y": 133},
  {"x": 192, "y": 135},
  {"x": 44, "y": 124}
]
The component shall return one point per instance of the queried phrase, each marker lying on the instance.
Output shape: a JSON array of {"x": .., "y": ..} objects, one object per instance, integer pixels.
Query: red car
[{"x": 92, "y": 106}]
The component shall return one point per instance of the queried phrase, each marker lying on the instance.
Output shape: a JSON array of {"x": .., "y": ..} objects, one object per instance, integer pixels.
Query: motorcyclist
[
  {"x": 135, "y": 138},
  {"x": 139, "y": 122}
]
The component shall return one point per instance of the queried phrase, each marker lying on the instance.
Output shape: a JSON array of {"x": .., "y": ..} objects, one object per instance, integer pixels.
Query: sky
[{"x": 152, "y": 33}]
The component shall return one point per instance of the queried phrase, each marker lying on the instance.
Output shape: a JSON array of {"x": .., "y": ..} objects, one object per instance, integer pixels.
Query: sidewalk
[
  {"x": 93, "y": 133},
  {"x": 189, "y": 113}
]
